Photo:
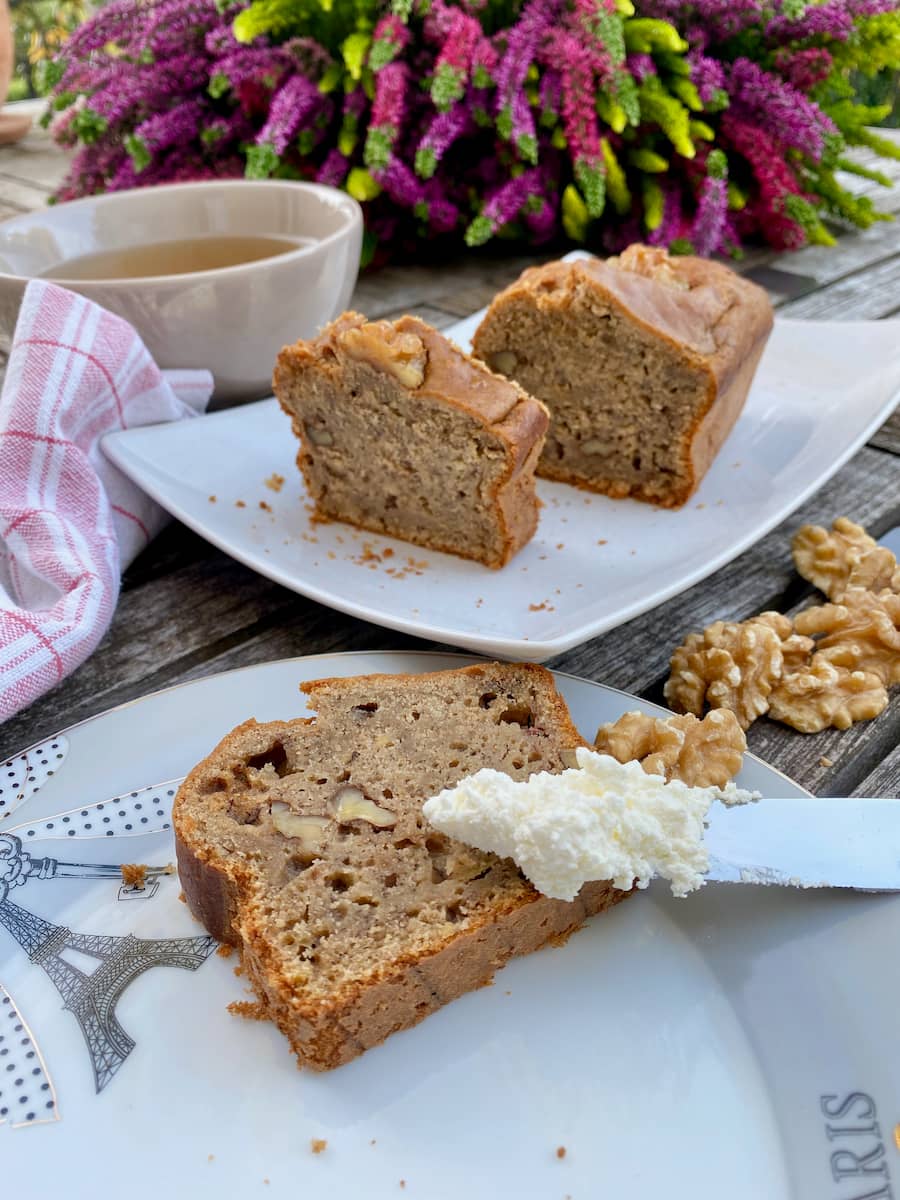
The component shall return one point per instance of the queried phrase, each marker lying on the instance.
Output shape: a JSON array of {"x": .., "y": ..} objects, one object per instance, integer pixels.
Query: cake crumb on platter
[
  {"x": 134, "y": 875},
  {"x": 318, "y": 1145},
  {"x": 240, "y": 504},
  {"x": 225, "y": 951},
  {"x": 560, "y": 1152},
  {"x": 250, "y": 1010},
  {"x": 275, "y": 482},
  {"x": 265, "y": 506}
]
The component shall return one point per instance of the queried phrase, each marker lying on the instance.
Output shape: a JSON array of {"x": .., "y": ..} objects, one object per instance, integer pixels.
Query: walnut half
[
  {"x": 705, "y": 753},
  {"x": 825, "y": 694},
  {"x": 842, "y": 558},
  {"x": 382, "y": 346},
  {"x": 731, "y": 665},
  {"x": 861, "y": 634}
]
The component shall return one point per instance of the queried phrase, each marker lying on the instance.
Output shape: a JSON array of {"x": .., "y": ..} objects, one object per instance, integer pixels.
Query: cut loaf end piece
[
  {"x": 403, "y": 434},
  {"x": 303, "y": 843},
  {"x": 644, "y": 361}
]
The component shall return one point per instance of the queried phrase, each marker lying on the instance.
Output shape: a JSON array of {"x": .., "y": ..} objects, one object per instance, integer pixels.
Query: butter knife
[{"x": 807, "y": 842}]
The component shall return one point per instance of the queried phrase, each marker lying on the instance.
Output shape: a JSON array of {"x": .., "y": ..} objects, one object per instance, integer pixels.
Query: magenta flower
[
  {"x": 709, "y": 225},
  {"x": 478, "y": 116},
  {"x": 292, "y": 105},
  {"x": 762, "y": 98},
  {"x": 444, "y": 130},
  {"x": 389, "y": 105},
  {"x": 334, "y": 169}
]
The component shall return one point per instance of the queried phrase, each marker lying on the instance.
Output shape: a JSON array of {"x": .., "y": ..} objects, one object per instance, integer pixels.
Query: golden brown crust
[
  {"x": 455, "y": 379},
  {"x": 330, "y": 1028},
  {"x": 413, "y": 988}
]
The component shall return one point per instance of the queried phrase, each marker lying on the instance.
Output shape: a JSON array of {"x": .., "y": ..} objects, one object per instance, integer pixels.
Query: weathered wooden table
[{"x": 187, "y": 610}]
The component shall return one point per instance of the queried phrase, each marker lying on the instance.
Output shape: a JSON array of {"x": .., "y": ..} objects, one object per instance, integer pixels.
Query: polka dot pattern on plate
[
  {"x": 26, "y": 773},
  {"x": 27, "y": 1096},
  {"x": 146, "y": 810}
]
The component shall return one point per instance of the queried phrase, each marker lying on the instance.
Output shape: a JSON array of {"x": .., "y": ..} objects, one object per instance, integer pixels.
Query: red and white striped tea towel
[{"x": 70, "y": 521}]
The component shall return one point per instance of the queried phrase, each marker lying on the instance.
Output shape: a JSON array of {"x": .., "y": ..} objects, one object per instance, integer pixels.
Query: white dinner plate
[
  {"x": 734, "y": 1043},
  {"x": 821, "y": 389}
]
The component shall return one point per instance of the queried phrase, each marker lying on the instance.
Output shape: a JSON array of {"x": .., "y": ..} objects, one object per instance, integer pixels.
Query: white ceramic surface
[
  {"x": 233, "y": 320},
  {"x": 696, "y": 1049},
  {"x": 821, "y": 390}
]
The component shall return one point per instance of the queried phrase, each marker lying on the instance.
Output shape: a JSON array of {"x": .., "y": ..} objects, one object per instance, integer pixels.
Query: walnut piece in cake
[
  {"x": 844, "y": 557},
  {"x": 705, "y": 753}
]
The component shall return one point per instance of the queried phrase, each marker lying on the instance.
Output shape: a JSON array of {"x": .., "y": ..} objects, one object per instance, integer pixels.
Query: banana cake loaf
[
  {"x": 303, "y": 843},
  {"x": 403, "y": 434},
  {"x": 644, "y": 361}
]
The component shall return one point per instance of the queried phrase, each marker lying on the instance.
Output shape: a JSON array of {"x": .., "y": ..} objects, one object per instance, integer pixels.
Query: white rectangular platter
[{"x": 821, "y": 390}]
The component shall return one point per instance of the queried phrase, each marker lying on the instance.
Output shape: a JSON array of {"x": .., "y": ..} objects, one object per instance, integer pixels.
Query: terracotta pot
[
  {"x": 13, "y": 125},
  {"x": 6, "y": 50}
]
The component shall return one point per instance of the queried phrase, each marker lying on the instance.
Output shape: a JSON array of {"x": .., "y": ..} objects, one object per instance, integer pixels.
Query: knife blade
[{"x": 805, "y": 842}]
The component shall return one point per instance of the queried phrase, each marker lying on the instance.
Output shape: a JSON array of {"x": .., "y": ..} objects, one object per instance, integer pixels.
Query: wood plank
[
  {"x": 9, "y": 210},
  {"x": 425, "y": 312},
  {"x": 20, "y": 194},
  {"x": 834, "y": 762},
  {"x": 402, "y": 286},
  {"x": 888, "y": 436},
  {"x": 857, "y": 250},
  {"x": 865, "y": 295},
  {"x": 884, "y": 779}
]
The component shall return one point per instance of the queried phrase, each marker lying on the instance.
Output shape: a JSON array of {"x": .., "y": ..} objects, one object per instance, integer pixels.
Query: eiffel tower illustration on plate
[{"x": 90, "y": 996}]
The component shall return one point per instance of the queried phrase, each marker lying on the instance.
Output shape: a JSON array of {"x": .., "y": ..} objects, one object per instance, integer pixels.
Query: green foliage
[
  {"x": 664, "y": 110},
  {"x": 261, "y": 161},
  {"x": 137, "y": 151},
  {"x": 331, "y": 24},
  {"x": 40, "y": 27},
  {"x": 575, "y": 217}
]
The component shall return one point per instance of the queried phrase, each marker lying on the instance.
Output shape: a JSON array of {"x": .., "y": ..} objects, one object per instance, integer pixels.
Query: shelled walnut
[
  {"x": 861, "y": 634},
  {"x": 378, "y": 343},
  {"x": 705, "y": 753},
  {"x": 844, "y": 557},
  {"x": 824, "y": 695},
  {"x": 733, "y": 665},
  {"x": 796, "y": 650},
  {"x": 833, "y": 662}
]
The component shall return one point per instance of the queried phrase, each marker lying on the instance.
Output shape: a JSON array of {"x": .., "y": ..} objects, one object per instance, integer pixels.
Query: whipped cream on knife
[{"x": 601, "y": 820}]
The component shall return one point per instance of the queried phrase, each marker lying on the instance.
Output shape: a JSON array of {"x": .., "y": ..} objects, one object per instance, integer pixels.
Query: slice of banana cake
[
  {"x": 644, "y": 360},
  {"x": 403, "y": 434},
  {"x": 303, "y": 843}
]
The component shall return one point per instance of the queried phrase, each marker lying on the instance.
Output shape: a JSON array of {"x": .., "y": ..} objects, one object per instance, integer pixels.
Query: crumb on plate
[{"x": 134, "y": 875}]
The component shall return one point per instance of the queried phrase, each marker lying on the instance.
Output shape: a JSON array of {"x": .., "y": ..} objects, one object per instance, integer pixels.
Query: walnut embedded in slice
[
  {"x": 732, "y": 665},
  {"x": 826, "y": 695},
  {"x": 351, "y": 804},
  {"x": 842, "y": 558},
  {"x": 379, "y": 344},
  {"x": 860, "y": 634},
  {"x": 705, "y": 753}
]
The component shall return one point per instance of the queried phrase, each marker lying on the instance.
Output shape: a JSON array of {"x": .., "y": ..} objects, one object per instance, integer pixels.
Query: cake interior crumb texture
[
  {"x": 401, "y": 433},
  {"x": 303, "y": 843},
  {"x": 643, "y": 361}
]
